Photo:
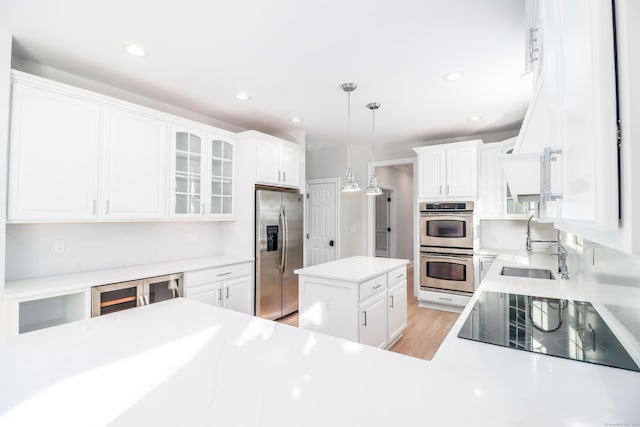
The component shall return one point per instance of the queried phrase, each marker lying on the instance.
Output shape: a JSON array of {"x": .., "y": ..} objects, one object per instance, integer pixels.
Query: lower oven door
[{"x": 448, "y": 272}]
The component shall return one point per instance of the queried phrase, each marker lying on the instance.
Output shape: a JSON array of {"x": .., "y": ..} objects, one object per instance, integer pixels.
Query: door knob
[{"x": 331, "y": 243}]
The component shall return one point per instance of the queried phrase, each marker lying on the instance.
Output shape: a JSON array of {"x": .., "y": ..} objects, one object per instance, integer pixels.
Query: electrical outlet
[
  {"x": 58, "y": 246},
  {"x": 190, "y": 237}
]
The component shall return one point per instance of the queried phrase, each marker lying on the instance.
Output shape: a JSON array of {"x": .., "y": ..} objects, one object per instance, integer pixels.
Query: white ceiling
[{"x": 291, "y": 56}]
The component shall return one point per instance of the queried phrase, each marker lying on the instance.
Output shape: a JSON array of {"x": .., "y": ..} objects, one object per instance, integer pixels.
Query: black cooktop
[{"x": 562, "y": 328}]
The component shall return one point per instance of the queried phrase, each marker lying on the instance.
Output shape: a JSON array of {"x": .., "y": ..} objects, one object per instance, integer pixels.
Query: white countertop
[
  {"x": 356, "y": 269},
  {"x": 184, "y": 363},
  {"x": 33, "y": 287}
]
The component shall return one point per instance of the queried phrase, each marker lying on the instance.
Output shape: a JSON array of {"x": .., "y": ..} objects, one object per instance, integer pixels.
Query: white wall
[
  {"x": 115, "y": 92},
  {"x": 105, "y": 245},
  {"x": 401, "y": 181},
  {"x": 331, "y": 162}
]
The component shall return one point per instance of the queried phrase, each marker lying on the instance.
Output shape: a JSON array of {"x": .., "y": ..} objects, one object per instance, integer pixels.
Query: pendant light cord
[
  {"x": 349, "y": 130},
  {"x": 373, "y": 138}
]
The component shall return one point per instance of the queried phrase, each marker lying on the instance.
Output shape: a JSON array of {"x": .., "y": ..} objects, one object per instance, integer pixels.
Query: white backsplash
[
  {"x": 604, "y": 264},
  {"x": 512, "y": 234},
  {"x": 30, "y": 247}
]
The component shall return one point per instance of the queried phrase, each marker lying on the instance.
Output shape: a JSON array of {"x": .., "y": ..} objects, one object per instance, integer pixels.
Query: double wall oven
[{"x": 446, "y": 247}]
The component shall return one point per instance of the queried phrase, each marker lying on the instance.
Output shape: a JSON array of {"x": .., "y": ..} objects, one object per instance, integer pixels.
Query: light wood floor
[{"x": 426, "y": 328}]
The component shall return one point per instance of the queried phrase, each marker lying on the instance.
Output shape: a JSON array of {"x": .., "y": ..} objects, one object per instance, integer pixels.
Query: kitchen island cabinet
[{"x": 361, "y": 299}]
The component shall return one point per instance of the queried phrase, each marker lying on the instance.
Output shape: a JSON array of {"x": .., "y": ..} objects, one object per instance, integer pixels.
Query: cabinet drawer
[
  {"x": 199, "y": 277},
  {"x": 397, "y": 275},
  {"x": 447, "y": 299},
  {"x": 373, "y": 286}
]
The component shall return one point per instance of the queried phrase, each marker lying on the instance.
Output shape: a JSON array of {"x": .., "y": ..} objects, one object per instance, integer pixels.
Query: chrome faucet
[
  {"x": 529, "y": 241},
  {"x": 562, "y": 253}
]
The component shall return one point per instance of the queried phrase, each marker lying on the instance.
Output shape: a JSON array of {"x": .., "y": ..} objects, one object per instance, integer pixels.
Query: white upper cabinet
[
  {"x": 133, "y": 166},
  {"x": 448, "y": 171},
  {"x": 202, "y": 174},
  {"x": 574, "y": 111},
  {"x": 53, "y": 164},
  {"x": 462, "y": 173},
  {"x": 78, "y": 156},
  {"x": 589, "y": 114},
  {"x": 290, "y": 164},
  {"x": 278, "y": 161},
  {"x": 268, "y": 162},
  {"x": 188, "y": 169},
  {"x": 431, "y": 174}
]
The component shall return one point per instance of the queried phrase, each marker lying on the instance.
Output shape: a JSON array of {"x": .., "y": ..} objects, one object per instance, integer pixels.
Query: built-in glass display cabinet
[{"x": 203, "y": 170}]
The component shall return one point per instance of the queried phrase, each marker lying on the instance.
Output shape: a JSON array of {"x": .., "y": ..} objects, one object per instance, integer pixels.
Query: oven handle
[
  {"x": 448, "y": 256},
  {"x": 445, "y": 213}
]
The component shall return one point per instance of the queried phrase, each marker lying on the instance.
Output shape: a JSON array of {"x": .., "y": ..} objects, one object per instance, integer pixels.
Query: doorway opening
[
  {"x": 385, "y": 224},
  {"x": 397, "y": 239}
]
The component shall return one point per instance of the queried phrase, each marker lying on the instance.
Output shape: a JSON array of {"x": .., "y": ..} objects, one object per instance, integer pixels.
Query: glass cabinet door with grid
[
  {"x": 221, "y": 194},
  {"x": 188, "y": 171},
  {"x": 202, "y": 182}
]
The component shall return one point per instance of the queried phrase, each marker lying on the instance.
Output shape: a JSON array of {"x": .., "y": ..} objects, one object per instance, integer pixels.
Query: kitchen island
[
  {"x": 184, "y": 363},
  {"x": 361, "y": 298}
]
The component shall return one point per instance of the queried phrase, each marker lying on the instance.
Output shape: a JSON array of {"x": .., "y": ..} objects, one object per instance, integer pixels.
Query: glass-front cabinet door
[
  {"x": 188, "y": 172},
  {"x": 221, "y": 195},
  {"x": 202, "y": 182}
]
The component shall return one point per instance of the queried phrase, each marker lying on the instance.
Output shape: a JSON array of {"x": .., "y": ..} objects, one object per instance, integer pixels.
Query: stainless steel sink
[{"x": 534, "y": 273}]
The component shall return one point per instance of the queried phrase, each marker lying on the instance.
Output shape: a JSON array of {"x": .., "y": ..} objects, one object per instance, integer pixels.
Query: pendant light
[
  {"x": 350, "y": 183},
  {"x": 373, "y": 189}
]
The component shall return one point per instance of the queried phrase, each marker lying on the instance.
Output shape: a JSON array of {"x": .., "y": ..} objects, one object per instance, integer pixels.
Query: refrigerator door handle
[
  {"x": 281, "y": 220},
  {"x": 285, "y": 241}
]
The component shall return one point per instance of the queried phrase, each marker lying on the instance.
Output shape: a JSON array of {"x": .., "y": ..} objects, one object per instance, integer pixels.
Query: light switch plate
[{"x": 58, "y": 246}]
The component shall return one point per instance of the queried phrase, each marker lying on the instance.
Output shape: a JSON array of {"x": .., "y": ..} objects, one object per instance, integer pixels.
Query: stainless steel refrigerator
[{"x": 279, "y": 241}]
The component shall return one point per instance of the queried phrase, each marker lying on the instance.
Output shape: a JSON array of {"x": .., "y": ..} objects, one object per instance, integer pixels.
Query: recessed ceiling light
[
  {"x": 242, "y": 96},
  {"x": 474, "y": 118},
  {"x": 295, "y": 120},
  {"x": 134, "y": 50},
  {"x": 453, "y": 76}
]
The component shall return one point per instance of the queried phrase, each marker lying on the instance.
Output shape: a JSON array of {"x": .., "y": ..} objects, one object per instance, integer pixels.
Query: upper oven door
[{"x": 446, "y": 230}]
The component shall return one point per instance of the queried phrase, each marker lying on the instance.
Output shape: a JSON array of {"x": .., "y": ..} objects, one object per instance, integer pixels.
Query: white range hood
[{"x": 522, "y": 172}]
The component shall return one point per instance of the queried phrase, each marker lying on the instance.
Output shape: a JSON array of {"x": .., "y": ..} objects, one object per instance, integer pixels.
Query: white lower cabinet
[
  {"x": 228, "y": 287},
  {"x": 44, "y": 311},
  {"x": 396, "y": 310},
  {"x": 373, "y": 321}
]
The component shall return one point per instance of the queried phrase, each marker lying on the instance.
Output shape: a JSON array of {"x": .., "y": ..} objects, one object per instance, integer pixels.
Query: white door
[
  {"x": 397, "y": 311},
  {"x": 461, "y": 173},
  {"x": 268, "y": 159},
  {"x": 237, "y": 295},
  {"x": 588, "y": 89},
  {"x": 208, "y": 294},
  {"x": 53, "y": 163},
  {"x": 321, "y": 222},
  {"x": 290, "y": 165},
  {"x": 133, "y": 165},
  {"x": 189, "y": 172},
  {"x": 431, "y": 174},
  {"x": 373, "y": 322}
]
